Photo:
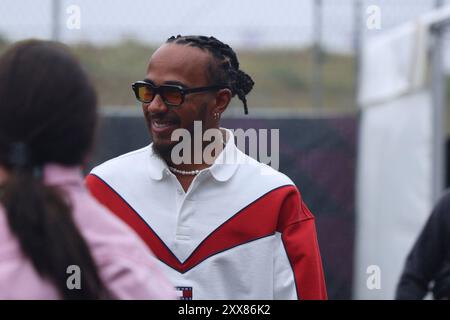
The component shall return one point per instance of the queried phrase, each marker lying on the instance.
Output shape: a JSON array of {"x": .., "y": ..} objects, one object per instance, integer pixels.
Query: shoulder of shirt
[
  {"x": 262, "y": 173},
  {"x": 110, "y": 166}
]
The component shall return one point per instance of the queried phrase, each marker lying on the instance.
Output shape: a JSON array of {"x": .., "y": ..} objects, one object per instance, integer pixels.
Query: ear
[{"x": 223, "y": 98}]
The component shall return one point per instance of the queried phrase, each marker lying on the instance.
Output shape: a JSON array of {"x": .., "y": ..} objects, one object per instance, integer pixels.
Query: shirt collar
[
  {"x": 227, "y": 162},
  {"x": 222, "y": 169},
  {"x": 157, "y": 166}
]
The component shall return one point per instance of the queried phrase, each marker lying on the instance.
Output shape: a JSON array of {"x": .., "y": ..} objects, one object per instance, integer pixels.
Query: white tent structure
[{"x": 400, "y": 170}]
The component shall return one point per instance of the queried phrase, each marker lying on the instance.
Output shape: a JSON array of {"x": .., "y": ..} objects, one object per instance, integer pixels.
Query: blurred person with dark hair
[
  {"x": 222, "y": 229},
  {"x": 50, "y": 226},
  {"x": 427, "y": 268}
]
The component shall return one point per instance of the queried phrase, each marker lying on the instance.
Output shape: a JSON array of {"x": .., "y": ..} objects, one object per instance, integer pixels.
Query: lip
[{"x": 160, "y": 127}]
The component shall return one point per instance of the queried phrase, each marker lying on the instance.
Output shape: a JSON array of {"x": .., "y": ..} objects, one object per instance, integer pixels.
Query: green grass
[{"x": 283, "y": 78}]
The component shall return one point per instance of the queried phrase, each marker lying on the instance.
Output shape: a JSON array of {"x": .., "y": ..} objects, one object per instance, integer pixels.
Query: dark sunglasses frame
[{"x": 160, "y": 90}]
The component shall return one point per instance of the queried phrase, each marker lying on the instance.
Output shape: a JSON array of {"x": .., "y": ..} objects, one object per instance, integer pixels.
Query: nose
[{"x": 157, "y": 106}]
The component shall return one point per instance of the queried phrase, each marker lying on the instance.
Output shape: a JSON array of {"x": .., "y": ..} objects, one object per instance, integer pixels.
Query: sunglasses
[{"x": 172, "y": 95}]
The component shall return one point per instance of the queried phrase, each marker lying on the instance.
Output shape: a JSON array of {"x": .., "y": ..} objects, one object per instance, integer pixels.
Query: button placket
[
  {"x": 186, "y": 208},
  {"x": 186, "y": 211}
]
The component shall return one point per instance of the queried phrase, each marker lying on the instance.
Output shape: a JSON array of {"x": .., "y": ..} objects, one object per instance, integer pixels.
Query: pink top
[{"x": 125, "y": 264}]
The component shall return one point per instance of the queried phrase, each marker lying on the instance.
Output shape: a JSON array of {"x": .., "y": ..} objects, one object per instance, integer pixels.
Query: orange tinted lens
[
  {"x": 145, "y": 94},
  {"x": 172, "y": 95}
]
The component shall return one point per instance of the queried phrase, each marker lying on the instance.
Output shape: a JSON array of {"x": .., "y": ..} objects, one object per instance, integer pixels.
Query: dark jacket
[{"x": 427, "y": 267}]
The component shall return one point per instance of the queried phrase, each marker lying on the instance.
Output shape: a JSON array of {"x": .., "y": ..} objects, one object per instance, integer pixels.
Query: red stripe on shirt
[
  {"x": 110, "y": 199},
  {"x": 296, "y": 224},
  {"x": 278, "y": 210}
]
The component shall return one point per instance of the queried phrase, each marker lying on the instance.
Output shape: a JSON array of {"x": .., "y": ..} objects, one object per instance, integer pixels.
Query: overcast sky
[{"x": 255, "y": 23}]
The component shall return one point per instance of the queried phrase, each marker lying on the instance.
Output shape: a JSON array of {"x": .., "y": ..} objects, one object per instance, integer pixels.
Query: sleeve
[
  {"x": 298, "y": 264},
  {"x": 135, "y": 279},
  {"x": 426, "y": 256}
]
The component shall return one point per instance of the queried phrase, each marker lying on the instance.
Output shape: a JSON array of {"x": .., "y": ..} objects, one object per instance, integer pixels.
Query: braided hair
[{"x": 226, "y": 69}]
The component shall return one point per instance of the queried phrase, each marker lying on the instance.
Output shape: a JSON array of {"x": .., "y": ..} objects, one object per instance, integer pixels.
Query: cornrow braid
[{"x": 226, "y": 71}]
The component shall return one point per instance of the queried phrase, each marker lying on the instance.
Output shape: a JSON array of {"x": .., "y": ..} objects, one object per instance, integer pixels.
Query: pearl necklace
[{"x": 183, "y": 172}]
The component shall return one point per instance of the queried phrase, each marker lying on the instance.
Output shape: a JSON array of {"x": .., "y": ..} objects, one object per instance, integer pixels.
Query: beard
[{"x": 163, "y": 149}]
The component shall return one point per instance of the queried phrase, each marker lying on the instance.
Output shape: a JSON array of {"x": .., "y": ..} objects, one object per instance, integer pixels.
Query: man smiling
[{"x": 223, "y": 230}]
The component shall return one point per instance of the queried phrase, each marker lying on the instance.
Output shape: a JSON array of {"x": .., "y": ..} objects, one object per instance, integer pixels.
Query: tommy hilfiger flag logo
[{"x": 184, "y": 293}]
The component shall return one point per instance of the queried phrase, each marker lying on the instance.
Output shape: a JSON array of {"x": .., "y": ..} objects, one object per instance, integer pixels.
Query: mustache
[{"x": 163, "y": 117}]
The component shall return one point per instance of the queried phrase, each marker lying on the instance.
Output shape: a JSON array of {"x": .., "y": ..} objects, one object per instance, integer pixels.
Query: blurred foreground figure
[
  {"x": 56, "y": 241},
  {"x": 223, "y": 225},
  {"x": 427, "y": 267}
]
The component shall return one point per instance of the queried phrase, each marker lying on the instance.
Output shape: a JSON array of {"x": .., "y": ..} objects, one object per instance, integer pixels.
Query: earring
[{"x": 216, "y": 115}]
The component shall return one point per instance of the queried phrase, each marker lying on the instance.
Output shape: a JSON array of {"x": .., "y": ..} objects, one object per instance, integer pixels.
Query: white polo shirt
[{"x": 241, "y": 231}]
